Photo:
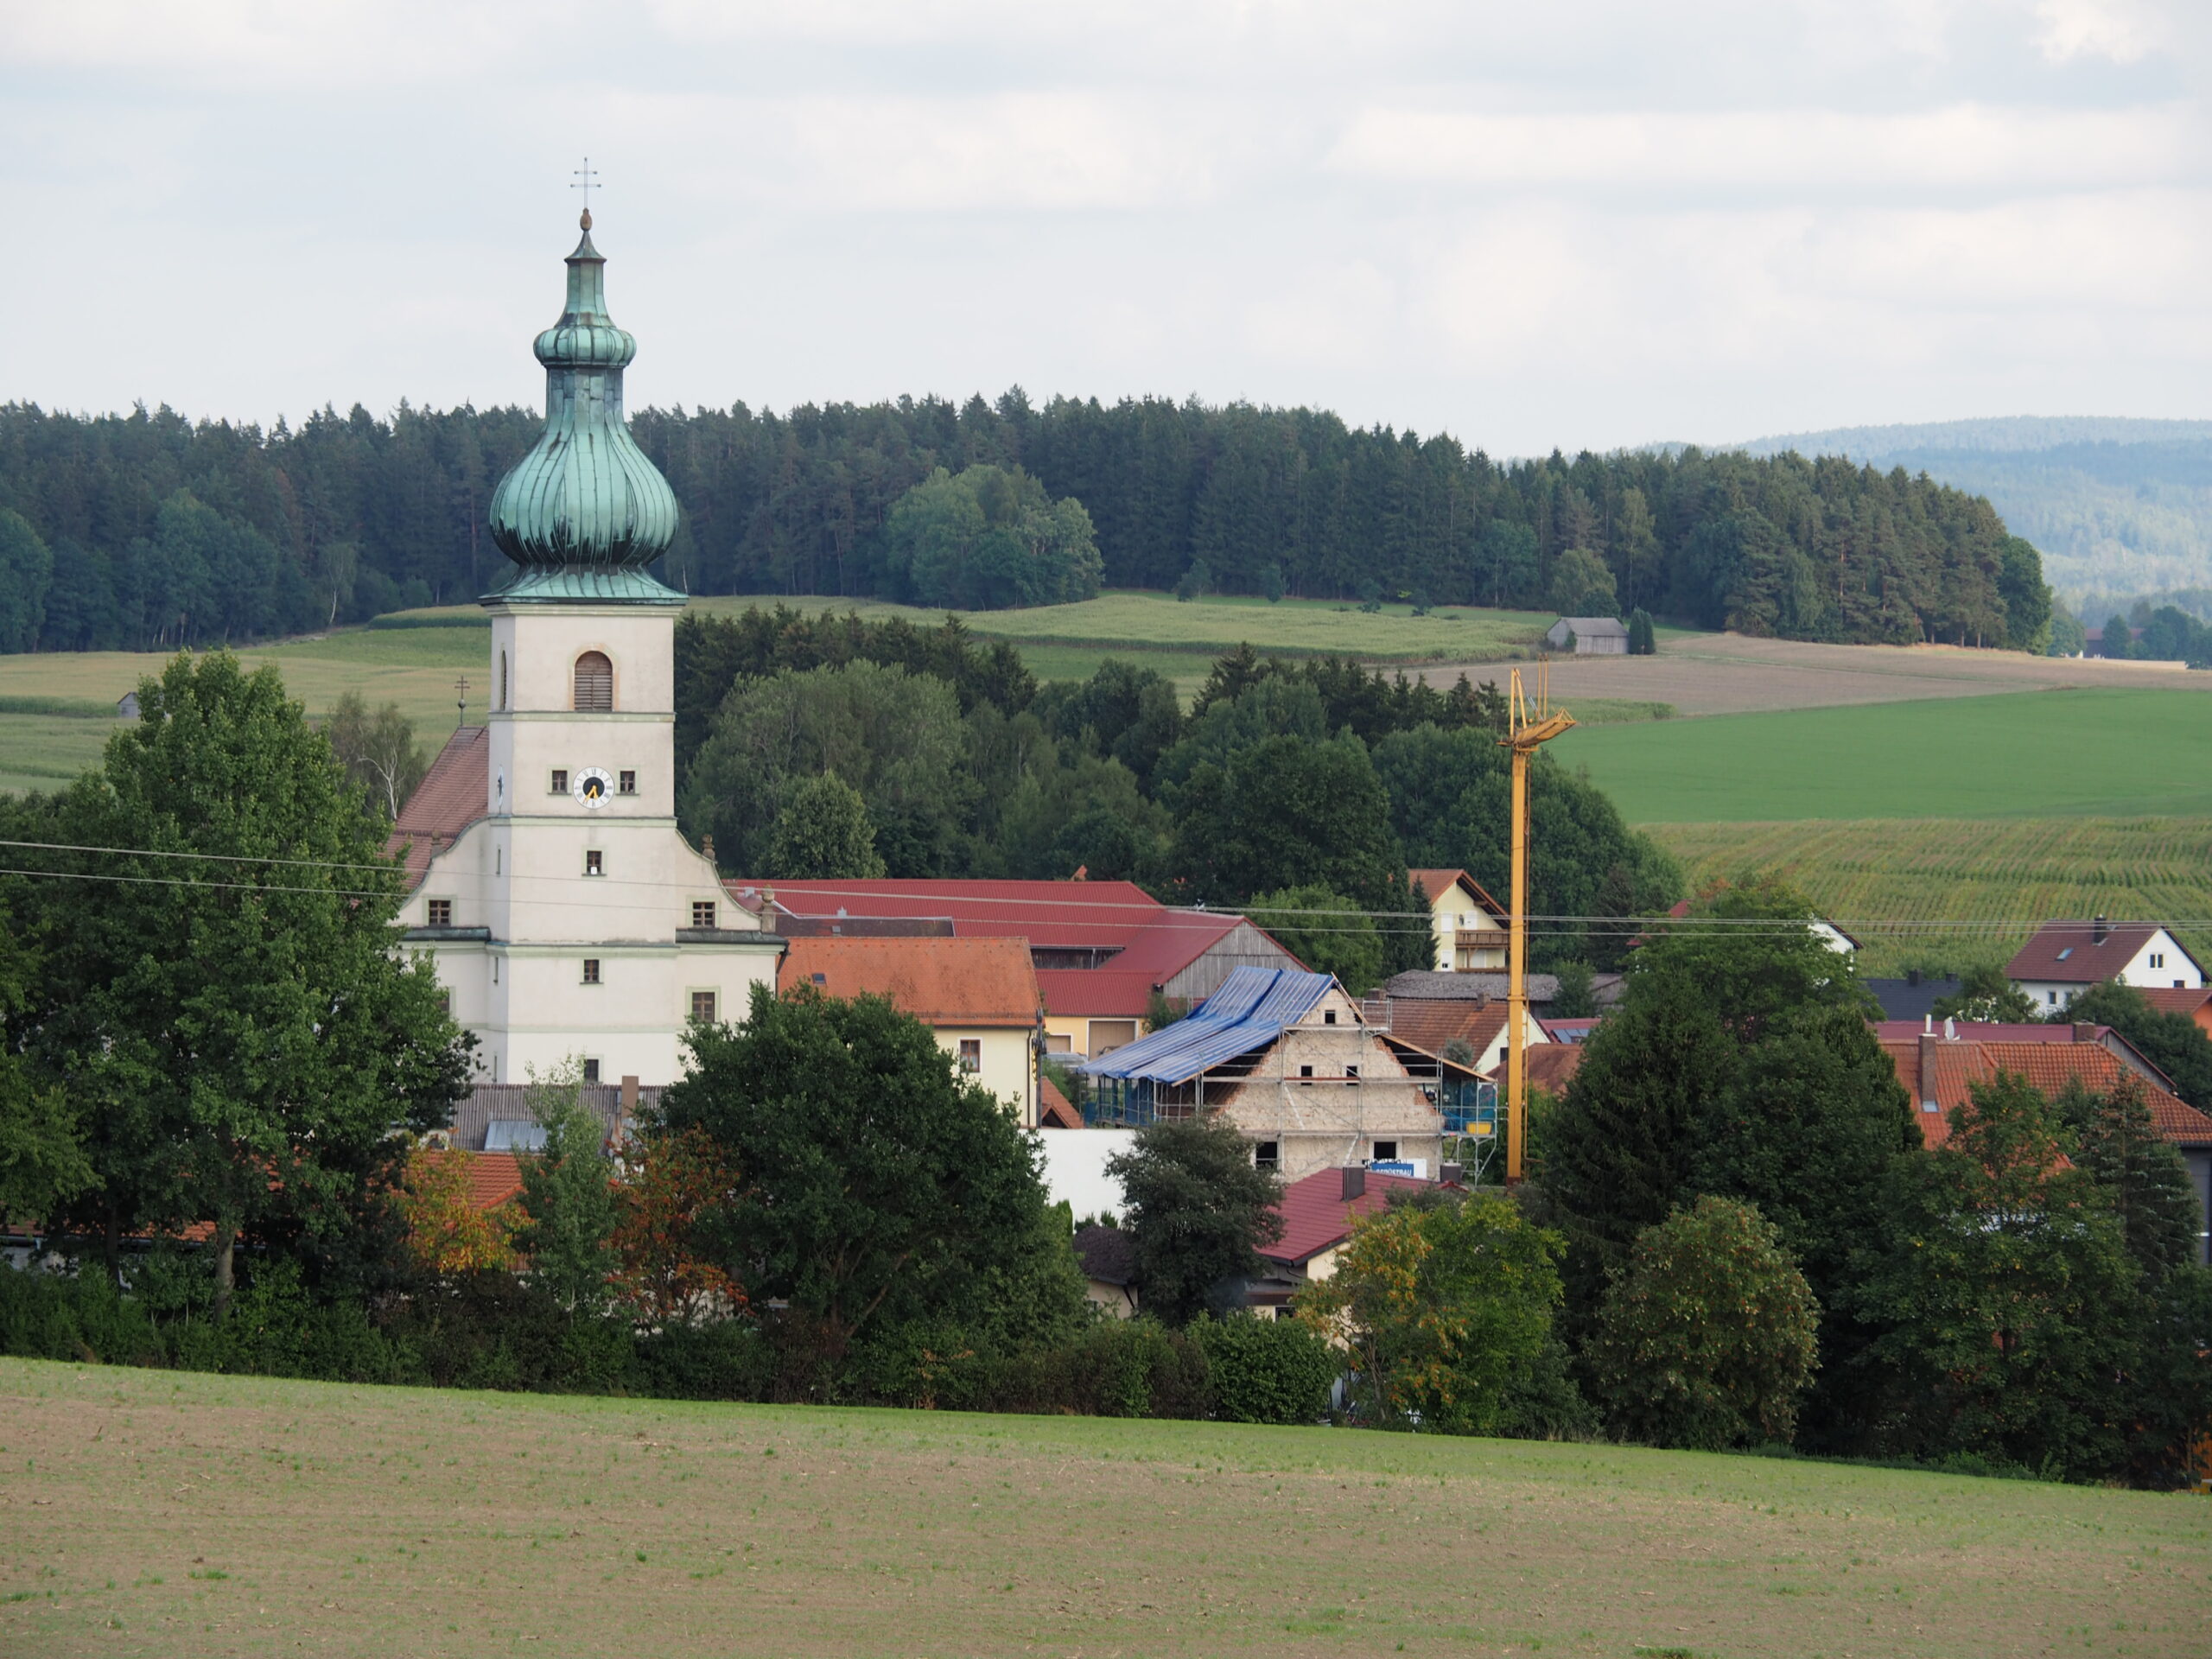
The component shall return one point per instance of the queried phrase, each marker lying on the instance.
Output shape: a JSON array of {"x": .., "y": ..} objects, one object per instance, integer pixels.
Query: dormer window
[{"x": 595, "y": 683}]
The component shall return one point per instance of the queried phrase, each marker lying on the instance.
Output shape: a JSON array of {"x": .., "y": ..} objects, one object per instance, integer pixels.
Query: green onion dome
[{"x": 584, "y": 512}]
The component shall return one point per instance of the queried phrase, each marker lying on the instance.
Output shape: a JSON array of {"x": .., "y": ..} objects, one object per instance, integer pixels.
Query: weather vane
[{"x": 585, "y": 175}]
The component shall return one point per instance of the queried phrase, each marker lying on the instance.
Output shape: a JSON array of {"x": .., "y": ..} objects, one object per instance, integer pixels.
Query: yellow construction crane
[{"x": 1528, "y": 728}]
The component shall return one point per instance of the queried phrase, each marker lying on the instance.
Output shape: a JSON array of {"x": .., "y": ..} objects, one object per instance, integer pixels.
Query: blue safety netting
[{"x": 1250, "y": 1011}]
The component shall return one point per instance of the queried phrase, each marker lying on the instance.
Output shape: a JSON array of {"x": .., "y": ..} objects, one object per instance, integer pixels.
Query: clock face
[{"x": 593, "y": 787}]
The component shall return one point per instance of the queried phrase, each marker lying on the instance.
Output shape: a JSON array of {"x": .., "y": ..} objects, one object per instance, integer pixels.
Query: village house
[
  {"x": 1939, "y": 1068},
  {"x": 1108, "y": 1256},
  {"x": 1102, "y": 951},
  {"x": 1285, "y": 1057},
  {"x": 1469, "y": 925},
  {"x": 1318, "y": 1212},
  {"x": 978, "y": 996},
  {"x": 2065, "y": 958}
]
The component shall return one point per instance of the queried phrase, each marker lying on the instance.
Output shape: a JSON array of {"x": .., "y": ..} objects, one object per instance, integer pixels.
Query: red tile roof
[
  {"x": 1430, "y": 1024},
  {"x": 939, "y": 981},
  {"x": 2180, "y": 1001},
  {"x": 1316, "y": 1215},
  {"x": 1053, "y": 1112},
  {"x": 1932, "y": 1070},
  {"x": 2070, "y": 953},
  {"x": 1552, "y": 1066},
  {"x": 449, "y": 798},
  {"x": 1150, "y": 942},
  {"x": 1435, "y": 882}
]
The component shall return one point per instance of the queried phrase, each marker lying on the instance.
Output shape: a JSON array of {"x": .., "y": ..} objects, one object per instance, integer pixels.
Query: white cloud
[
  {"x": 2122, "y": 30},
  {"x": 1964, "y": 146}
]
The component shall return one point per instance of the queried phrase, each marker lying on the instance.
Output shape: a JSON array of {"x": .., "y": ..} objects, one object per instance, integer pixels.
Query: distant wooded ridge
[
  {"x": 149, "y": 530},
  {"x": 2120, "y": 509}
]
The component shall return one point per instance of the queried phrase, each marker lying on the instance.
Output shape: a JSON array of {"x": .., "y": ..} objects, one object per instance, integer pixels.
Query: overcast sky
[{"x": 1532, "y": 224}]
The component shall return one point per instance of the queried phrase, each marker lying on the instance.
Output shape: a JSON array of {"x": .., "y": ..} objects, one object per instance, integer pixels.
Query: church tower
[{"x": 568, "y": 915}]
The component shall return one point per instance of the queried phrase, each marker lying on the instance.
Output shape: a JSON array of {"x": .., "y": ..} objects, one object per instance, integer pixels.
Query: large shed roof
[{"x": 1250, "y": 1011}]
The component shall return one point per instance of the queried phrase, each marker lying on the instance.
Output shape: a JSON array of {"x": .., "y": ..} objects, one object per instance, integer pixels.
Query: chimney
[
  {"x": 1928, "y": 1025},
  {"x": 1912, "y": 975},
  {"x": 2098, "y": 929},
  {"x": 1451, "y": 1174},
  {"x": 2084, "y": 1034},
  {"x": 1354, "y": 1182}
]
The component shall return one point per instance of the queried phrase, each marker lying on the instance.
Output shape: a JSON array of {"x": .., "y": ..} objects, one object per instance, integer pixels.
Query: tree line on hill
[
  {"x": 826, "y": 747},
  {"x": 148, "y": 530},
  {"x": 1732, "y": 1236}
]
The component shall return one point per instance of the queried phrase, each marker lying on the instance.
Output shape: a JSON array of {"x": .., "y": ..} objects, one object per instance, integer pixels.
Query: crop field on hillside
[
  {"x": 2096, "y": 752},
  {"x": 1733, "y": 673},
  {"x": 1131, "y": 620},
  {"x": 179, "y": 1514},
  {"x": 1950, "y": 891}
]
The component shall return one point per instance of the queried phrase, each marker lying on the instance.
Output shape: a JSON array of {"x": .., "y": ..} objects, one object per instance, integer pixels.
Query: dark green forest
[{"x": 148, "y": 530}]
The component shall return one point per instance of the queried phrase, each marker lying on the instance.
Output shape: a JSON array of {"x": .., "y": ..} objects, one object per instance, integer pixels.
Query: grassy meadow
[
  {"x": 184, "y": 1514},
  {"x": 2091, "y": 752}
]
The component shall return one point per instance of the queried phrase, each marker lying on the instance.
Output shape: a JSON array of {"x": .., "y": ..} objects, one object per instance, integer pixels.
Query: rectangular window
[
  {"x": 1266, "y": 1154},
  {"x": 1055, "y": 1043},
  {"x": 2158, "y": 959},
  {"x": 1386, "y": 1152},
  {"x": 441, "y": 913},
  {"x": 1351, "y": 1074},
  {"x": 591, "y": 970},
  {"x": 1328, "y": 1016},
  {"x": 628, "y": 783},
  {"x": 971, "y": 1054},
  {"x": 702, "y": 1007},
  {"x": 1305, "y": 1073},
  {"x": 593, "y": 862},
  {"x": 702, "y": 912},
  {"x": 445, "y": 1003},
  {"x": 591, "y": 1070},
  {"x": 560, "y": 781}
]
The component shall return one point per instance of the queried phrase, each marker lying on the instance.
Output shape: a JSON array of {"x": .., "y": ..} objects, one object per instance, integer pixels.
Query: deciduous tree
[{"x": 1198, "y": 1210}]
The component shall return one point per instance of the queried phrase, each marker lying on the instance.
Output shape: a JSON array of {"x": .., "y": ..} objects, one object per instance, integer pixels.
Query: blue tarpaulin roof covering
[{"x": 1250, "y": 1011}]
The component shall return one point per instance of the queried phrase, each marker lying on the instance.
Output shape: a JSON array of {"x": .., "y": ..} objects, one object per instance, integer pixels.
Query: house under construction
[{"x": 1288, "y": 1059}]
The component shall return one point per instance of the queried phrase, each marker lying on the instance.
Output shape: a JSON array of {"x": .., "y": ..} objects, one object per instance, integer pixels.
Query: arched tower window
[
  {"x": 594, "y": 683},
  {"x": 503, "y": 682}
]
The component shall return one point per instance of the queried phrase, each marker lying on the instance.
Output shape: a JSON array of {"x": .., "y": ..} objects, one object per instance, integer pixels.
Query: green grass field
[
  {"x": 1951, "y": 891},
  {"x": 2094, "y": 752},
  {"x": 180, "y": 1514}
]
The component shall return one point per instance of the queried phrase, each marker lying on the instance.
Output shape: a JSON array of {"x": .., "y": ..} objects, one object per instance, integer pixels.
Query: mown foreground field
[
  {"x": 1953, "y": 891},
  {"x": 161, "y": 1513}
]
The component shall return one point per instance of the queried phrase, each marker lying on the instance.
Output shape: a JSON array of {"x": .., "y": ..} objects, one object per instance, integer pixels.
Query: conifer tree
[{"x": 2159, "y": 1211}]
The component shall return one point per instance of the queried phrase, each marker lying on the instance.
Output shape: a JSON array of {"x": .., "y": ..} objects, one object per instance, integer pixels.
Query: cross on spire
[{"x": 584, "y": 175}]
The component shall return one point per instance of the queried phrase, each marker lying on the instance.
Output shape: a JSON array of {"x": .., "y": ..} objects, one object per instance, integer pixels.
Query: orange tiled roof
[
  {"x": 1430, "y": 1025},
  {"x": 1932, "y": 1070},
  {"x": 1053, "y": 1112},
  {"x": 940, "y": 982},
  {"x": 2179, "y": 1001},
  {"x": 449, "y": 798}
]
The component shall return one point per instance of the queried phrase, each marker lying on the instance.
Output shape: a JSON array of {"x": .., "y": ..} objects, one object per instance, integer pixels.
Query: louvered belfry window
[{"x": 595, "y": 683}]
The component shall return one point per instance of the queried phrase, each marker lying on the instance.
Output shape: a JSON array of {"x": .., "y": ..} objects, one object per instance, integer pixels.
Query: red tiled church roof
[
  {"x": 939, "y": 981},
  {"x": 449, "y": 798}
]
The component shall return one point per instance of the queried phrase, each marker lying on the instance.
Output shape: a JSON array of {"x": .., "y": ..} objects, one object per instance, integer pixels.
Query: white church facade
[{"x": 567, "y": 916}]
